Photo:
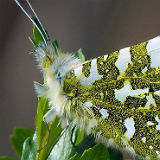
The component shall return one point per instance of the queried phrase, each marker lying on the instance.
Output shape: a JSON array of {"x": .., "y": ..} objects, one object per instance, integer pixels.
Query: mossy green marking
[
  {"x": 139, "y": 58},
  {"x": 86, "y": 69}
]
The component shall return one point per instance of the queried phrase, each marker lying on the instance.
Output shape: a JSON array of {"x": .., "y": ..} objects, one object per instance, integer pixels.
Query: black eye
[{"x": 59, "y": 75}]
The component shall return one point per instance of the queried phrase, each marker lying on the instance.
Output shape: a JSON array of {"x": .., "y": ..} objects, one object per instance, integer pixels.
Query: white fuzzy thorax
[{"x": 52, "y": 89}]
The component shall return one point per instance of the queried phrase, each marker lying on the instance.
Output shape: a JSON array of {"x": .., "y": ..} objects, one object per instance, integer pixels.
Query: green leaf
[
  {"x": 75, "y": 157},
  {"x": 29, "y": 149},
  {"x": 36, "y": 34},
  {"x": 134, "y": 159},
  {"x": 37, "y": 37},
  {"x": 79, "y": 54},
  {"x": 115, "y": 154},
  {"x": 79, "y": 136},
  {"x": 42, "y": 132},
  {"x": 18, "y": 138},
  {"x": 55, "y": 44},
  {"x": 98, "y": 152},
  {"x": 63, "y": 147},
  {"x": 87, "y": 142},
  {"x": 6, "y": 158}
]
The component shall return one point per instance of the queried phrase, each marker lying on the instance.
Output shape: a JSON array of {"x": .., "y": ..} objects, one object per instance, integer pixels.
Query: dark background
[{"x": 96, "y": 26}]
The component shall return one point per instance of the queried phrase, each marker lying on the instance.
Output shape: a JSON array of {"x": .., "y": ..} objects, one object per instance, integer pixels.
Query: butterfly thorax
[{"x": 54, "y": 66}]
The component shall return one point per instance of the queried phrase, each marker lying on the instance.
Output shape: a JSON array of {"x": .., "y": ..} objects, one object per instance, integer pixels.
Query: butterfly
[{"x": 115, "y": 96}]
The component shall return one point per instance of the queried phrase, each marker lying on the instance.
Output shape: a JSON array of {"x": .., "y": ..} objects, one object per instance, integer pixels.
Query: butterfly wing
[{"x": 118, "y": 97}]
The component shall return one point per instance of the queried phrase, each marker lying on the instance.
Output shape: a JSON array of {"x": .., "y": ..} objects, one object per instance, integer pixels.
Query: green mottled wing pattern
[{"x": 122, "y": 93}]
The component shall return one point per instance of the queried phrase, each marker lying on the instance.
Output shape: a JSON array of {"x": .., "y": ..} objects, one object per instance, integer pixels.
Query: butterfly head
[{"x": 45, "y": 55}]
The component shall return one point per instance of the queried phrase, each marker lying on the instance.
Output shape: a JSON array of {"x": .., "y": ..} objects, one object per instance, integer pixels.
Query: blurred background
[{"x": 96, "y": 26}]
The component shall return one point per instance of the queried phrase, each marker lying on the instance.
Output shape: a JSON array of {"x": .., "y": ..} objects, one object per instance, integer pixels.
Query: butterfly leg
[{"x": 50, "y": 115}]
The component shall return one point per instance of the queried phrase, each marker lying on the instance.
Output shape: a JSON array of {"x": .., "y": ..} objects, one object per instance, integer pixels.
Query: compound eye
[{"x": 59, "y": 74}]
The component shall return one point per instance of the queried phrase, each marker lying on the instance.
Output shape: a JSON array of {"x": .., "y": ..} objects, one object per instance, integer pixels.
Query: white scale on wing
[
  {"x": 128, "y": 91},
  {"x": 144, "y": 139},
  {"x": 86, "y": 81},
  {"x": 157, "y": 92},
  {"x": 88, "y": 104},
  {"x": 158, "y": 125},
  {"x": 150, "y": 100},
  {"x": 153, "y": 49},
  {"x": 129, "y": 124},
  {"x": 104, "y": 113},
  {"x": 124, "y": 59},
  {"x": 78, "y": 71}
]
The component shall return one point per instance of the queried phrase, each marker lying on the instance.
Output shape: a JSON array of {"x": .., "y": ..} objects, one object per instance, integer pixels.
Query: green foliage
[
  {"x": 85, "y": 143},
  {"x": 37, "y": 37},
  {"x": 80, "y": 55},
  {"x": 42, "y": 131},
  {"x": 18, "y": 138},
  {"x": 29, "y": 149},
  {"x": 98, "y": 152},
  {"x": 115, "y": 154},
  {"x": 61, "y": 144},
  {"x": 55, "y": 44},
  {"x": 63, "y": 147},
  {"x": 6, "y": 158},
  {"x": 79, "y": 136}
]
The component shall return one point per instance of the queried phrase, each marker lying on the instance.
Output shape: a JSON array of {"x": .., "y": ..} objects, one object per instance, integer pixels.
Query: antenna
[
  {"x": 30, "y": 18},
  {"x": 32, "y": 9}
]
